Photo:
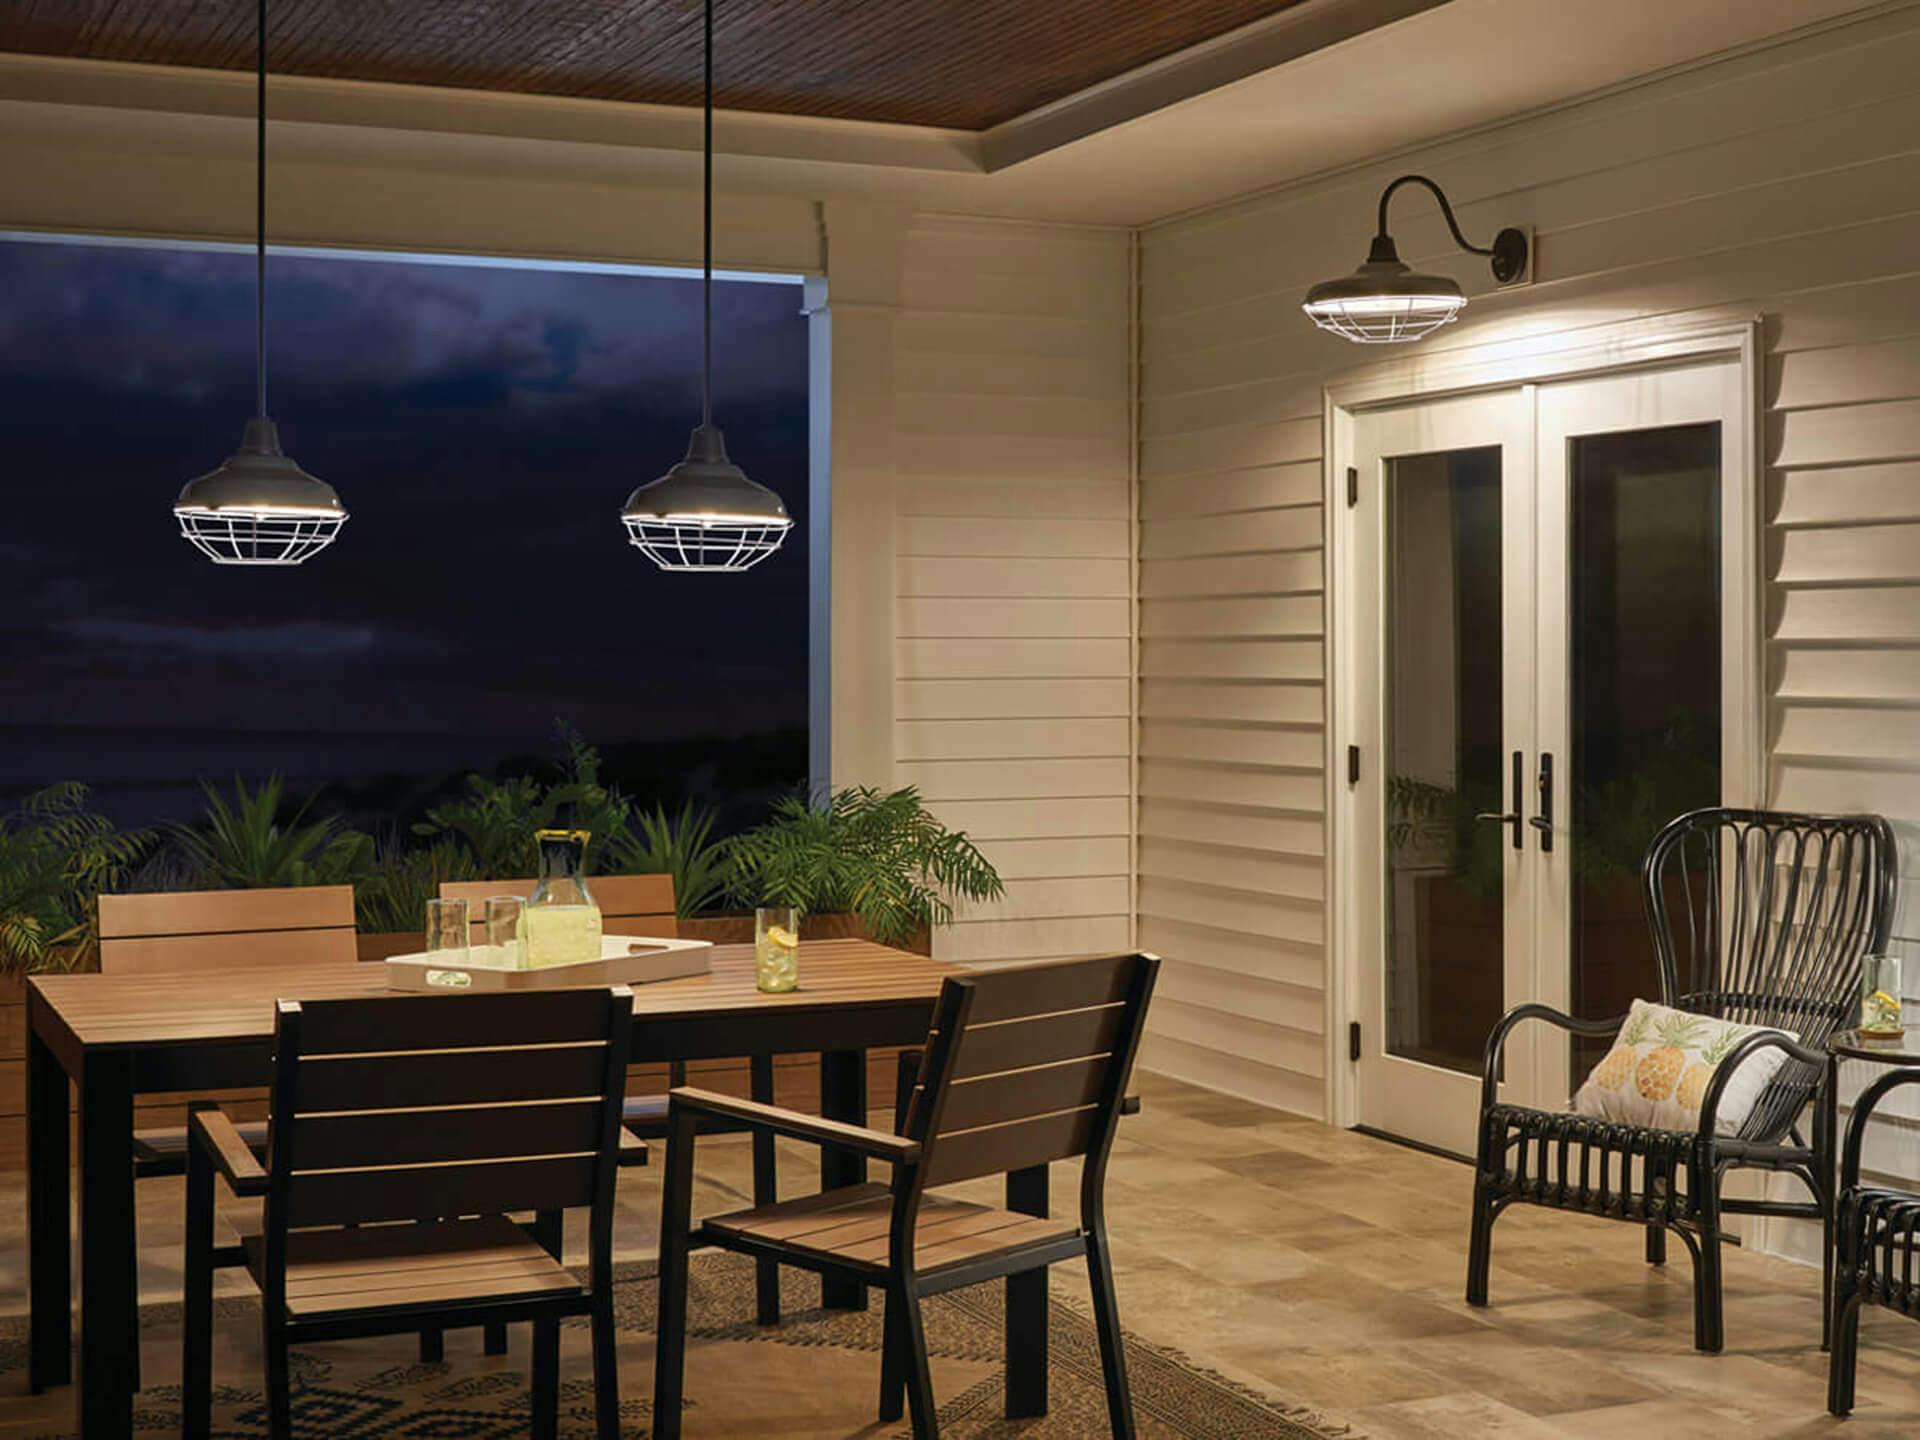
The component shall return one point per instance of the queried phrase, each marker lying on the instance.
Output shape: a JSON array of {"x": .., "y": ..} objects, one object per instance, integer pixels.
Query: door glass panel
[
  {"x": 1644, "y": 651},
  {"x": 1445, "y": 937}
]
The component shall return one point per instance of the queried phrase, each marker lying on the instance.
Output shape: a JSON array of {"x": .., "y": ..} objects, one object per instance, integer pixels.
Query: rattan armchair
[{"x": 1757, "y": 917}]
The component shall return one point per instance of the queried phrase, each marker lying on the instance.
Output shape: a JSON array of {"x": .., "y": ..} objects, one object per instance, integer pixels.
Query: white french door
[{"x": 1544, "y": 630}]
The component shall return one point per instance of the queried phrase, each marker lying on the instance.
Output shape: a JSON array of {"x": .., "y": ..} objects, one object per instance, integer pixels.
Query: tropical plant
[
  {"x": 495, "y": 821},
  {"x": 244, "y": 844},
  {"x": 56, "y": 856},
  {"x": 394, "y": 897},
  {"x": 681, "y": 845},
  {"x": 880, "y": 856}
]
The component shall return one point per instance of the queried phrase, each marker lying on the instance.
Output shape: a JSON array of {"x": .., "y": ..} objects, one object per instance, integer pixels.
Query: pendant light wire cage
[
  {"x": 258, "y": 507},
  {"x": 704, "y": 515}
]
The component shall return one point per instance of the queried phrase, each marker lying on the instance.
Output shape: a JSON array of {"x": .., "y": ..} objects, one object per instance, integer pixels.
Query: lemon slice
[{"x": 783, "y": 937}]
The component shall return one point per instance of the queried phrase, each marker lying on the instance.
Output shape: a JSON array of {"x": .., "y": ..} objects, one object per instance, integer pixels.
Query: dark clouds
[{"x": 482, "y": 425}]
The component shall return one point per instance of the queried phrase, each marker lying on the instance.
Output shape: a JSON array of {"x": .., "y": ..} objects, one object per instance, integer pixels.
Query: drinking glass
[
  {"x": 506, "y": 947},
  {"x": 1880, "y": 996},
  {"x": 447, "y": 929},
  {"x": 776, "y": 948}
]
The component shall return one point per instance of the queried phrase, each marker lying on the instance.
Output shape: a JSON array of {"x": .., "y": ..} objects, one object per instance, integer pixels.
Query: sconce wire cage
[
  {"x": 693, "y": 544},
  {"x": 237, "y": 537}
]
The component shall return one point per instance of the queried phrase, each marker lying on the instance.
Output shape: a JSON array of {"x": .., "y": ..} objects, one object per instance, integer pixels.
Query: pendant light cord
[
  {"x": 706, "y": 237},
  {"x": 260, "y": 221}
]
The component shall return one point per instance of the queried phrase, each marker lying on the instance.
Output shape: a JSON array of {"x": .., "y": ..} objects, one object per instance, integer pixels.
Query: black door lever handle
[{"x": 1543, "y": 822}]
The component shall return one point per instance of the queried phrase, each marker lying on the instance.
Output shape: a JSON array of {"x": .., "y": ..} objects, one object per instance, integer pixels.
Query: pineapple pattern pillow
[{"x": 1657, "y": 1072}]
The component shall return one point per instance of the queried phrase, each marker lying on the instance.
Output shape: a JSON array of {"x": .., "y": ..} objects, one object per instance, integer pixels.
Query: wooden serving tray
[{"x": 624, "y": 960}]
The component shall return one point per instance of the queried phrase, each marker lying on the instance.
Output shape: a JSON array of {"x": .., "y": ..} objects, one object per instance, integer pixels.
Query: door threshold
[{"x": 1422, "y": 1146}]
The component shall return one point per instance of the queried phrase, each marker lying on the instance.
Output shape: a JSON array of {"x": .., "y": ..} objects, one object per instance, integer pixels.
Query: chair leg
[
  {"x": 433, "y": 1346},
  {"x": 196, "y": 1340},
  {"x": 606, "y": 1370},
  {"x": 676, "y": 1220},
  {"x": 926, "y": 1422},
  {"x": 546, "y": 1379},
  {"x": 496, "y": 1339},
  {"x": 1824, "y": 1196},
  {"x": 1113, "y": 1349},
  {"x": 893, "y": 1363},
  {"x": 1480, "y": 1244},
  {"x": 766, "y": 1190},
  {"x": 1709, "y": 1324},
  {"x": 279, "y": 1381},
  {"x": 1656, "y": 1244},
  {"x": 1845, "y": 1354}
]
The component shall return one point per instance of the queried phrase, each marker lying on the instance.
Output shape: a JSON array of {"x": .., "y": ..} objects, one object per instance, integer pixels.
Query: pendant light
[
  {"x": 259, "y": 507},
  {"x": 705, "y": 514},
  {"x": 1384, "y": 301}
]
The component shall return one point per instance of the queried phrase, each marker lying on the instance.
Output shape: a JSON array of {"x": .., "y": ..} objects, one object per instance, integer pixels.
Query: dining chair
[
  {"x": 389, "y": 1115},
  {"x": 167, "y": 932},
  {"x": 1024, "y": 1066},
  {"x": 644, "y": 905}
]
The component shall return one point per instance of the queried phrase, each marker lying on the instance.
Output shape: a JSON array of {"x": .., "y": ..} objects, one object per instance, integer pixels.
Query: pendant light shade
[
  {"x": 705, "y": 514},
  {"x": 1385, "y": 301},
  {"x": 259, "y": 507}
]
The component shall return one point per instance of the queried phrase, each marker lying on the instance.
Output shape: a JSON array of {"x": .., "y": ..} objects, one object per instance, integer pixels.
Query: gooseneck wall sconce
[{"x": 1385, "y": 301}]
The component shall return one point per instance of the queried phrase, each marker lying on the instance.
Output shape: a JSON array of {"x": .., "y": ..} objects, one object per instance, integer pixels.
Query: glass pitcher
[{"x": 561, "y": 924}]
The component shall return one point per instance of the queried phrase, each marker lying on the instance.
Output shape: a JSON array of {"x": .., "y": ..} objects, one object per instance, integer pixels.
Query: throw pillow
[{"x": 1657, "y": 1072}]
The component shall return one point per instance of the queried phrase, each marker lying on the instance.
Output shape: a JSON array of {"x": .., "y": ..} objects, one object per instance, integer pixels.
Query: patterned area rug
[{"x": 815, "y": 1375}]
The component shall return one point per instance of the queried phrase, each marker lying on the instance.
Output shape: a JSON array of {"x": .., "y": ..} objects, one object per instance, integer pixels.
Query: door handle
[
  {"x": 1511, "y": 817},
  {"x": 1543, "y": 821}
]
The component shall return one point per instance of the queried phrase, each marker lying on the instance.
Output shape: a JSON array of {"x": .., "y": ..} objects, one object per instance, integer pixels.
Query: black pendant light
[
  {"x": 259, "y": 507},
  {"x": 1385, "y": 301},
  {"x": 704, "y": 513}
]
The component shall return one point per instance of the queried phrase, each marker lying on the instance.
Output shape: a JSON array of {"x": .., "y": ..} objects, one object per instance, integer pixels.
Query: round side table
[{"x": 1901, "y": 1049}]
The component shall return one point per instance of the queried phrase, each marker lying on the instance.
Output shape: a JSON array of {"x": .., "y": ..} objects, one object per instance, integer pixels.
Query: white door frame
[{"x": 1605, "y": 350}]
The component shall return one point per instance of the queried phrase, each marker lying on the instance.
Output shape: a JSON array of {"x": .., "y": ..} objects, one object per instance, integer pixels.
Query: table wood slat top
[{"x": 222, "y": 1004}]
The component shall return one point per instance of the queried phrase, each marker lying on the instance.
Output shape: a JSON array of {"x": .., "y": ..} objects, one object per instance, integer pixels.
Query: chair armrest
[
  {"x": 212, "y": 1133},
  {"x": 1863, "y": 1109},
  {"x": 793, "y": 1123},
  {"x": 633, "y": 1150},
  {"x": 1497, "y": 1041},
  {"x": 1723, "y": 1072}
]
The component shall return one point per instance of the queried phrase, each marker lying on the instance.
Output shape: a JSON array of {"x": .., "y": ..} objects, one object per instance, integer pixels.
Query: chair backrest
[
  {"x": 1763, "y": 917},
  {"x": 199, "y": 929},
  {"x": 419, "y": 1107},
  {"x": 1027, "y": 1065},
  {"x": 629, "y": 904}
]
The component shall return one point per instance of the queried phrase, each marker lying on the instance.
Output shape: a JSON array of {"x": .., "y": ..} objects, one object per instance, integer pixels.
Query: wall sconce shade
[{"x": 1386, "y": 302}]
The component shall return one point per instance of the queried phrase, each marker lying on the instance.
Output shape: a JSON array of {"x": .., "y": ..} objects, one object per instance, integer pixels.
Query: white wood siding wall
[
  {"x": 1014, "y": 616},
  {"x": 1785, "y": 182}
]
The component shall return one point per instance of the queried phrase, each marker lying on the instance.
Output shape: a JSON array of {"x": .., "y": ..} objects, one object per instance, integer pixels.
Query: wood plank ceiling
[{"x": 966, "y": 64}]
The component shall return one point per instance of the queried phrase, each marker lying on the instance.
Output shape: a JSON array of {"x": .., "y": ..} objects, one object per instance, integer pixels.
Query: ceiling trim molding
[
  {"x": 1294, "y": 32},
  {"x": 433, "y": 109}
]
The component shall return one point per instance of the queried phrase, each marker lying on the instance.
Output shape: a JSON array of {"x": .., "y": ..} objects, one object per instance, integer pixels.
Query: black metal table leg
[
  {"x": 1027, "y": 1307},
  {"x": 49, "y": 1225},
  {"x": 766, "y": 1273},
  {"x": 843, "y": 1096},
  {"x": 109, "y": 1292}
]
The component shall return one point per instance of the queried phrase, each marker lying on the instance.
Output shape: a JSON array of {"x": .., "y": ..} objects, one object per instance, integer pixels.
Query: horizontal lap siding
[
  {"x": 1014, "y": 616},
  {"x": 1784, "y": 183}
]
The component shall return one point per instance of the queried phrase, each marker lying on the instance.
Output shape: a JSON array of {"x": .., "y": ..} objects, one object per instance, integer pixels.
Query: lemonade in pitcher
[{"x": 561, "y": 924}]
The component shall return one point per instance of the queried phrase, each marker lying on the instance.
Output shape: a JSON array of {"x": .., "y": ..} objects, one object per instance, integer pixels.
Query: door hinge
[
  {"x": 1353, "y": 764},
  {"x": 1353, "y": 486},
  {"x": 1353, "y": 1040}
]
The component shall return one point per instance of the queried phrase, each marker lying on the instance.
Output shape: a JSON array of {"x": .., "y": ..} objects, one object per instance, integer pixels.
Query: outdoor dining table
[{"x": 117, "y": 1036}]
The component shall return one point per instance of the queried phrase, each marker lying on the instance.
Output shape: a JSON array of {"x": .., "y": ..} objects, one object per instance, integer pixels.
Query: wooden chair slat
[
  {"x": 1039, "y": 1040},
  {"x": 1025, "y": 990},
  {"x": 966, "y": 1154},
  {"x": 402, "y": 1137},
  {"x": 449, "y": 1077},
  {"x": 445, "y": 1022},
  {"x": 171, "y": 954},
  {"x": 1023, "y": 1094},
  {"x": 365, "y": 1197},
  {"x": 218, "y": 912}
]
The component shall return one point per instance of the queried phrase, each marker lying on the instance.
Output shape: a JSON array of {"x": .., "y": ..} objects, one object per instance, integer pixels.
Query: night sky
[{"x": 483, "y": 426}]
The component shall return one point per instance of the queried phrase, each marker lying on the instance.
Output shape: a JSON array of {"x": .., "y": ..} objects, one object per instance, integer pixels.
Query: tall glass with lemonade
[
  {"x": 561, "y": 922},
  {"x": 776, "y": 948}
]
